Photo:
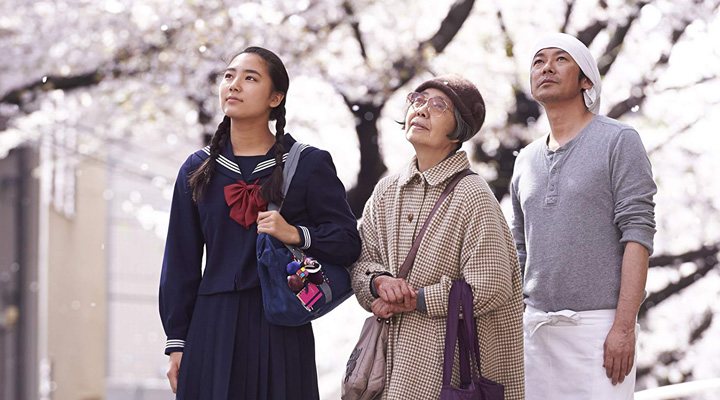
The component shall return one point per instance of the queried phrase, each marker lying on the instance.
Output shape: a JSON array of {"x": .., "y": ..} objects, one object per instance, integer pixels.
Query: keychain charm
[{"x": 304, "y": 276}]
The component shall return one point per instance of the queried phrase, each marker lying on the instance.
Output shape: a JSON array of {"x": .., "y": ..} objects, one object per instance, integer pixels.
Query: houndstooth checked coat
[{"x": 467, "y": 239}]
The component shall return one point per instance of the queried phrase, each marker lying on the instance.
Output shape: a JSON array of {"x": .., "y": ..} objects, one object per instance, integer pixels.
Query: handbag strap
[
  {"x": 410, "y": 259},
  {"x": 451, "y": 332},
  {"x": 471, "y": 345},
  {"x": 461, "y": 332}
]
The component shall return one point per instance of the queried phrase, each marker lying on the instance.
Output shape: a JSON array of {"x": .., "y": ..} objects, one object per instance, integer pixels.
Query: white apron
[{"x": 564, "y": 356}]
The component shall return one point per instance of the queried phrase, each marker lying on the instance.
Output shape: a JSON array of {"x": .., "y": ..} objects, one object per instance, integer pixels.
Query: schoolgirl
[{"x": 219, "y": 342}]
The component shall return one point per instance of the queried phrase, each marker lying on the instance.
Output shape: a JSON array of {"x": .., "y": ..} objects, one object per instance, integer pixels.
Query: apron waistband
[{"x": 534, "y": 318}]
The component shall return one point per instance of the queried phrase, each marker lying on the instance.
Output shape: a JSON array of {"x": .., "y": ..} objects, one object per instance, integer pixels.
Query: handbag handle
[
  {"x": 410, "y": 259},
  {"x": 463, "y": 332},
  {"x": 471, "y": 344},
  {"x": 451, "y": 332}
]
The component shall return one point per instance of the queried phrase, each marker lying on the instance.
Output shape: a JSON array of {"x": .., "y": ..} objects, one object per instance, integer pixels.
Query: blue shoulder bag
[{"x": 318, "y": 287}]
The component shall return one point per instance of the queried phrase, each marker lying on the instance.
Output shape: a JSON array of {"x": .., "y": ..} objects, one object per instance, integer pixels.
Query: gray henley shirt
[{"x": 573, "y": 211}]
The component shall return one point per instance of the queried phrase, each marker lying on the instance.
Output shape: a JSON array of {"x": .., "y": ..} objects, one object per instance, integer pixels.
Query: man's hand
[
  {"x": 393, "y": 290},
  {"x": 174, "y": 369},
  {"x": 272, "y": 223},
  {"x": 619, "y": 349}
]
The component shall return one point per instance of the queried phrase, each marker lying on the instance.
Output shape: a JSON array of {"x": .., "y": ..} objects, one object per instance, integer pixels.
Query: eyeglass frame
[{"x": 428, "y": 100}]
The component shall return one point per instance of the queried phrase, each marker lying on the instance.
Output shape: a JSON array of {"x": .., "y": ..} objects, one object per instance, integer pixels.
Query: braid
[
  {"x": 200, "y": 178},
  {"x": 272, "y": 188}
]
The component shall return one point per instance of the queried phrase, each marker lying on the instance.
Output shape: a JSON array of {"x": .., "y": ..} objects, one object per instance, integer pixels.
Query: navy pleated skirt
[{"x": 233, "y": 353}]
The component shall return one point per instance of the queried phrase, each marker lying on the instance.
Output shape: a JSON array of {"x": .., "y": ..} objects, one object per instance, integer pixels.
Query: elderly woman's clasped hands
[{"x": 395, "y": 296}]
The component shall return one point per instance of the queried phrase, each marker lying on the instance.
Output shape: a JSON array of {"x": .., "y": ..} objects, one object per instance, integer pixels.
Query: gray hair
[{"x": 463, "y": 131}]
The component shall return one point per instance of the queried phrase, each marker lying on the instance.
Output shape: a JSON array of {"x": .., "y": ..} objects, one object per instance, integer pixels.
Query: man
[{"x": 583, "y": 223}]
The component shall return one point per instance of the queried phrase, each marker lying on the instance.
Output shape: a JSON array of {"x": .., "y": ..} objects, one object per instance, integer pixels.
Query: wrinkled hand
[
  {"x": 174, "y": 369},
  {"x": 619, "y": 349},
  {"x": 272, "y": 223},
  {"x": 393, "y": 290},
  {"x": 383, "y": 309}
]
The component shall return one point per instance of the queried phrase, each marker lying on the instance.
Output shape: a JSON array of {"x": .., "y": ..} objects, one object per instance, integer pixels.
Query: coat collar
[
  {"x": 437, "y": 174},
  {"x": 227, "y": 166}
]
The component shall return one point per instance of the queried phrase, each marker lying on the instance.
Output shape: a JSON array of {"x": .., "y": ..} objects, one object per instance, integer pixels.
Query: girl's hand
[
  {"x": 272, "y": 223},
  {"x": 174, "y": 369}
]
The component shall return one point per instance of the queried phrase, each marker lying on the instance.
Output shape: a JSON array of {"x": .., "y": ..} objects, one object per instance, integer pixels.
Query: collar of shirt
[
  {"x": 229, "y": 167},
  {"x": 437, "y": 174}
]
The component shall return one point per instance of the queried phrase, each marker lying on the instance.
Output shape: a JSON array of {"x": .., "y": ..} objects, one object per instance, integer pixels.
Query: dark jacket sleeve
[
  {"x": 332, "y": 234},
  {"x": 181, "y": 268}
]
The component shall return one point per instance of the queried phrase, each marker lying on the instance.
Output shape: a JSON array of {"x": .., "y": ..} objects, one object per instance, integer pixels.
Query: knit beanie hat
[{"x": 465, "y": 96}]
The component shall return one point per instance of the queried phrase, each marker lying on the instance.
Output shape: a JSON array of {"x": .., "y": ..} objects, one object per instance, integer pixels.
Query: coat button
[{"x": 410, "y": 217}]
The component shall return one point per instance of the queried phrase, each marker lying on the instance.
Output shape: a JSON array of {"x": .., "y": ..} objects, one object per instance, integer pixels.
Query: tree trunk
[{"x": 372, "y": 166}]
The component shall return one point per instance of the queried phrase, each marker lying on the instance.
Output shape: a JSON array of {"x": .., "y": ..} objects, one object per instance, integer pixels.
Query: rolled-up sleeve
[{"x": 633, "y": 190}]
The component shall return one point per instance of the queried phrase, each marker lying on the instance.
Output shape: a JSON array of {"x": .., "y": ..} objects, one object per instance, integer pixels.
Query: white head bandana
[{"x": 581, "y": 54}]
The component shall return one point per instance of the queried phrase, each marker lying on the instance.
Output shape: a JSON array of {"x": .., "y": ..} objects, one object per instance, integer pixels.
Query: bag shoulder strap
[
  {"x": 410, "y": 259},
  {"x": 289, "y": 170}
]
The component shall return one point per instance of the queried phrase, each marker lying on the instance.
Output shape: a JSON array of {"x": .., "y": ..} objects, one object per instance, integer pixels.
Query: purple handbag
[{"x": 462, "y": 330}]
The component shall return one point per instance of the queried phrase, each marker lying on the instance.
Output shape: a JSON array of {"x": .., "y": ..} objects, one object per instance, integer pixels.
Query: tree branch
[
  {"x": 570, "y": 4},
  {"x": 674, "y": 135},
  {"x": 28, "y": 92},
  {"x": 697, "y": 332},
  {"x": 618, "y": 38},
  {"x": 588, "y": 35},
  {"x": 706, "y": 265},
  {"x": 407, "y": 68},
  {"x": 25, "y": 93},
  {"x": 700, "y": 81},
  {"x": 355, "y": 27},
  {"x": 509, "y": 44},
  {"x": 671, "y": 357},
  {"x": 692, "y": 255},
  {"x": 638, "y": 92}
]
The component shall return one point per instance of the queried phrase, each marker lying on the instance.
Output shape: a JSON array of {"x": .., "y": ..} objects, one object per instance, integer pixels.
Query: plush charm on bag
[
  {"x": 303, "y": 279},
  {"x": 297, "y": 289}
]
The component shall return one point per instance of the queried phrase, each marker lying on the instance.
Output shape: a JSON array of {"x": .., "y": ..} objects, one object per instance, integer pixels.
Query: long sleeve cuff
[
  {"x": 305, "y": 240},
  {"x": 436, "y": 297},
  {"x": 421, "y": 305},
  {"x": 174, "y": 345}
]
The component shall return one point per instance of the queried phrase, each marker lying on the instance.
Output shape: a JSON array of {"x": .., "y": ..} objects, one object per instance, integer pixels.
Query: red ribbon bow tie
[{"x": 245, "y": 202}]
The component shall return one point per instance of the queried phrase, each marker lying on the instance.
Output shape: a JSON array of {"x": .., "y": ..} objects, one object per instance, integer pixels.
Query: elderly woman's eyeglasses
[{"x": 436, "y": 105}]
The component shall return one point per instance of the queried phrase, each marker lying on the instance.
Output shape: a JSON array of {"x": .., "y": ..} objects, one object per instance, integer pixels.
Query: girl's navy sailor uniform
[{"x": 215, "y": 315}]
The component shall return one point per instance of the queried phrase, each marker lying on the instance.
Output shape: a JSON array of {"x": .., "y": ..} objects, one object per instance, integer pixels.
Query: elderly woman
[{"x": 467, "y": 239}]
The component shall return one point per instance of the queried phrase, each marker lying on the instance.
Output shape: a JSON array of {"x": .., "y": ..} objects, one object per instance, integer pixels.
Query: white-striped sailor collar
[{"x": 228, "y": 166}]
